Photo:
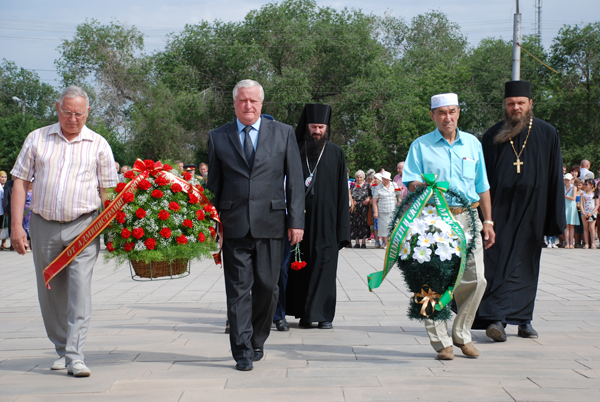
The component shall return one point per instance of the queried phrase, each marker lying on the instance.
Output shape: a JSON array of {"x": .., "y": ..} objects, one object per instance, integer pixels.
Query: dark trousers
[
  {"x": 251, "y": 268},
  {"x": 283, "y": 278}
]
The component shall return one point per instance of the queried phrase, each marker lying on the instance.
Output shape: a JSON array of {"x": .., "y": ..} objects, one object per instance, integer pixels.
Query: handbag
[{"x": 4, "y": 232}]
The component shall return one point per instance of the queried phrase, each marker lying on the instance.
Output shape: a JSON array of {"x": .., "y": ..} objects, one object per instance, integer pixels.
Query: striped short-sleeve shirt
[{"x": 67, "y": 173}]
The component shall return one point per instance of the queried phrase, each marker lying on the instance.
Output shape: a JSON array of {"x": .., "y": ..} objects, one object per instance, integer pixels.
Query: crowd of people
[{"x": 283, "y": 195}]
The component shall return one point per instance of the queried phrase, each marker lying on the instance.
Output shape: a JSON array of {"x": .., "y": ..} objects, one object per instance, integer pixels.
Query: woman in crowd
[
  {"x": 361, "y": 197},
  {"x": 384, "y": 204}
]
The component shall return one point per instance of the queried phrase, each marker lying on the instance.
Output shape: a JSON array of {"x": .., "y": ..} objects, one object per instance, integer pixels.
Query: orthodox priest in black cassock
[
  {"x": 311, "y": 291},
  {"x": 524, "y": 167}
]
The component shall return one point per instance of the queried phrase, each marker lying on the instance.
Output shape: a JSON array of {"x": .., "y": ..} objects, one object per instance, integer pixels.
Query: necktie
[{"x": 248, "y": 147}]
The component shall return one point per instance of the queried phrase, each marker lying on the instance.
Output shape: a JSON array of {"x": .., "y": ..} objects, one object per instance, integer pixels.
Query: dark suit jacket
[{"x": 256, "y": 200}]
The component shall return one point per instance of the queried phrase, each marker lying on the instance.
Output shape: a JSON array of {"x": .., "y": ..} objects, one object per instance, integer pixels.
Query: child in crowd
[
  {"x": 571, "y": 210},
  {"x": 589, "y": 209},
  {"x": 578, "y": 183}
]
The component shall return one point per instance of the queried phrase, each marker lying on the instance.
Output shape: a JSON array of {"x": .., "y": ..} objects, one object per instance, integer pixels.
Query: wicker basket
[{"x": 157, "y": 269}]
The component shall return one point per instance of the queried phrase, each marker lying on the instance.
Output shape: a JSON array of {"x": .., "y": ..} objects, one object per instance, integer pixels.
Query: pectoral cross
[{"x": 518, "y": 164}]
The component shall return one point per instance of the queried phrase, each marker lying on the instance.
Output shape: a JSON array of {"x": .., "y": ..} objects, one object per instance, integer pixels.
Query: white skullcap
[{"x": 444, "y": 100}]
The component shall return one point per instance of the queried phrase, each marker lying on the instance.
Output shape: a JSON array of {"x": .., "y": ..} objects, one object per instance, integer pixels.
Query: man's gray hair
[
  {"x": 359, "y": 173},
  {"x": 73, "y": 92},
  {"x": 248, "y": 84}
]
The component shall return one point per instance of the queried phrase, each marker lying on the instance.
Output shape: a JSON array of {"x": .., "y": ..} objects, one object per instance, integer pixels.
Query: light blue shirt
[
  {"x": 461, "y": 164},
  {"x": 253, "y": 132}
]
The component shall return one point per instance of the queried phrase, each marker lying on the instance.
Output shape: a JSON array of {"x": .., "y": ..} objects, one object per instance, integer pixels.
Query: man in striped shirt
[{"x": 73, "y": 166}]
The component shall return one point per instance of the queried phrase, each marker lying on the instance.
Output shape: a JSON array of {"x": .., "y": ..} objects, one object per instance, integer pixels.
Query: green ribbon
[{"x": 398, "y": 236}]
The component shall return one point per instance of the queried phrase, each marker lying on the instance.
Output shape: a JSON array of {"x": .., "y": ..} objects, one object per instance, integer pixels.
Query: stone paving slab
[{"x": 165, "y": 341}]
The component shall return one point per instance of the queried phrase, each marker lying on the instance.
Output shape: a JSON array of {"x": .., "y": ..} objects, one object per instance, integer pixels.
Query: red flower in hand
[
  {"x": 138, "y": 233},
  {"x": 130, "y": 174},
  {"x": 193, "y": 199},
  {"x": 188, "y": 223},
  {"x": 119, "y": 187},
  {"x": 144, "y": 185},
  {"x": 140, "y": 213},
  {"x": 163, "y": 215},
  {"x": 173, "y": 206},
  {"x": 182, "y": 239},
  {"x": 125, "y": 233},
  {"x": 200, "y": 215},
  {"x": 176, "y": 187},
  {"x": 168, "y": 168},
  {"x": 187, "y": 175},
  {"x": 128, "y": 246},
  {"x": 298, "y": 265},
  {"x": 165, "y": 232},
  {"x": 212, "y": 231},
  {"x": 201, "y": 237},
  {"x": 156, "y": 193},
  {"x": 161, "y": 181},
  {"x": 128, "y": 197},
  {"x": 121, "y": 217},
  {"x": 150, "y": 243},
  {"x": 110, "y": 247}
]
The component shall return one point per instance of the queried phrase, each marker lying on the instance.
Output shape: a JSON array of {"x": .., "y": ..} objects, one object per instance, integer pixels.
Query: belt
[{"x": 460, "y": 210}]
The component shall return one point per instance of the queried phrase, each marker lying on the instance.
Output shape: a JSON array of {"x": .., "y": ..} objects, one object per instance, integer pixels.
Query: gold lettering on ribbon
[{"x": 426, "y": 298}]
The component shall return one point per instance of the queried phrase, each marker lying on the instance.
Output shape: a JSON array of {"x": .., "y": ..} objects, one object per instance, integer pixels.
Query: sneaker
[
  {"x": 59, "y": 364},
  {"x": 77, "y": 368}
]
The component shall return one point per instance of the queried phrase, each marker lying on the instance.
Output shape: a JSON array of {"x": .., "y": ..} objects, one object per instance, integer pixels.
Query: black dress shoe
[
  {"x": 258, "y": 354},
  {"x": 496, "y": 332},
  {"x": 304, "y": 323},
  {"x": 527, "y": 331},
  {"x": 282, "y": 325},
  {"x": 325, "y": 325},
  {"x": 244, "y": 364}
]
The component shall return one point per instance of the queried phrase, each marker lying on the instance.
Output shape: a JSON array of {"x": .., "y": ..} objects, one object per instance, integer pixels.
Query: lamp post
[{"x": 22, "y": 105}]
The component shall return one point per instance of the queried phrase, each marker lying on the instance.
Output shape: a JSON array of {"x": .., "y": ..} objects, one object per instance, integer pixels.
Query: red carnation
[
  {"x": 107, "y": 203},
  {"x": 207, "y": 207},
  {"x": 193, "y": 199},
  {"x": 110, "y": 247},
  {"x": 357, "y": 186},
  {"x": 200, "y": 215},
  {"x": 149, "y": 163},
  {"x": 200, "y": 188},
  {"x": 161, "y": 181},
  {"x": 182, "y": 239},
  {"x": 130, "y": 174},
  {"x": 187, "y": 175},
  {"x": 156, "y": 193},
  {"x": 188, "y": 223},
  {"x": 165, "y": 232},
  {"x": 138, "y": 233},
  {"x": 140, "y": 213},
  {"x": 168, "y": 168},
  {"x": 201, "y": 237},
  {"x": 298, "y": 265},
  {"x": 120, "y": 187},
  {"x": 128, "y": 197},
  {"x": 150, "y": 244},
  {"x": 212, "y": 231},
  {"x": 144, "y": 185},
  {"x": 128, "y": 246},
  {"x": 125, "y": 233},
  {"x": 121, "y": 217},
  {"x": 174, "y": 206},
  {"x": 163, "y": 215},
  {"x": 176, "y": 187}
]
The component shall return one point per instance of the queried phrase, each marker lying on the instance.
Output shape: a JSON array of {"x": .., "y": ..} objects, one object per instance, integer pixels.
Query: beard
[
  {"x": 311, "y": 147},
  {"x": 513, "y": 126}
]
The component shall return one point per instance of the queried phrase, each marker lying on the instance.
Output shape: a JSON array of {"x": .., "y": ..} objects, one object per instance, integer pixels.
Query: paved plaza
[{"x": 165, "y": 341}]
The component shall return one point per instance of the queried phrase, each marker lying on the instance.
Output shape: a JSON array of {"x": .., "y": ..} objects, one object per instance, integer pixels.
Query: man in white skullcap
[{"x": 456, "y": 157}]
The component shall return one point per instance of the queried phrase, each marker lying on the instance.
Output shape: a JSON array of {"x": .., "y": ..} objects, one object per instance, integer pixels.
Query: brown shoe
[
  {"x": 446, "y": 354},
  {"x": 468, "y": 350}
]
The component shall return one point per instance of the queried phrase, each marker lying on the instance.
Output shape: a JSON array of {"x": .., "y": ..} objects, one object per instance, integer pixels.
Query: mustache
[{"x": 513, "y": 126}]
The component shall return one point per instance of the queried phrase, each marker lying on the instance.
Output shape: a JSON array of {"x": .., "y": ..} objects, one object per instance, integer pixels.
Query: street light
[{"x": 22, "y": 105}]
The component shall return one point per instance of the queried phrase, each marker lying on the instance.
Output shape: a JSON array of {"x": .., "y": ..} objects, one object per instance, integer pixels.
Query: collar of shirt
[
  {"x": 439, "y": 137},
  {"x": 84, "y": 135},
  {"x": 253, "y": 133}
]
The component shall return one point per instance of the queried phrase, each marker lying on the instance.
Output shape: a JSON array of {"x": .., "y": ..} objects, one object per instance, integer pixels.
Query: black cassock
[
  {"x": 311, "y": 291},
  {"x": 525, "y": 207}
]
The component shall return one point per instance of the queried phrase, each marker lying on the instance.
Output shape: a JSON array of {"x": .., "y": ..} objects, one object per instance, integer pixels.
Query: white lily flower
[
  {"x": 422, "y": 254},
  {"x": 457, "y": 248},
  {"x": 429, "y": 210},
  {"x": 419, "y": 226},
  {"x": 432, "y": 219},
  {"x": 442, "y": 238},
  {"x": 444, "y": 251},
  {"x": 426, "y": 240}
]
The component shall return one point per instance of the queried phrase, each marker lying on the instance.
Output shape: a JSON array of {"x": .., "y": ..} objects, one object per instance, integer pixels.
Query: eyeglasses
[{"x": 68, "y": 114}]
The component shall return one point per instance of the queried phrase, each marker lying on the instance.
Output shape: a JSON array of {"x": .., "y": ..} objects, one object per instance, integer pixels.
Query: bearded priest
[
  {"x": 311, "y": 291},
  {"x": 524, "y": 167}
]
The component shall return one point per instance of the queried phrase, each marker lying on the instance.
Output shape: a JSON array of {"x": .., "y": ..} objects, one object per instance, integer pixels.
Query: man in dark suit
[{"x": 248, "y": 160}]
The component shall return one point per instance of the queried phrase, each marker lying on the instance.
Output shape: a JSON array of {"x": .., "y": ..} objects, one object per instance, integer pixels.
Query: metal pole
[
  {"x": 23, "y": 109},
  {"x": 516, "y": 62}
]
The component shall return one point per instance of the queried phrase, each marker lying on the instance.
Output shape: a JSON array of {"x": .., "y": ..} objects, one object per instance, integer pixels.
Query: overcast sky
[{"x": 31, "y": 30}]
